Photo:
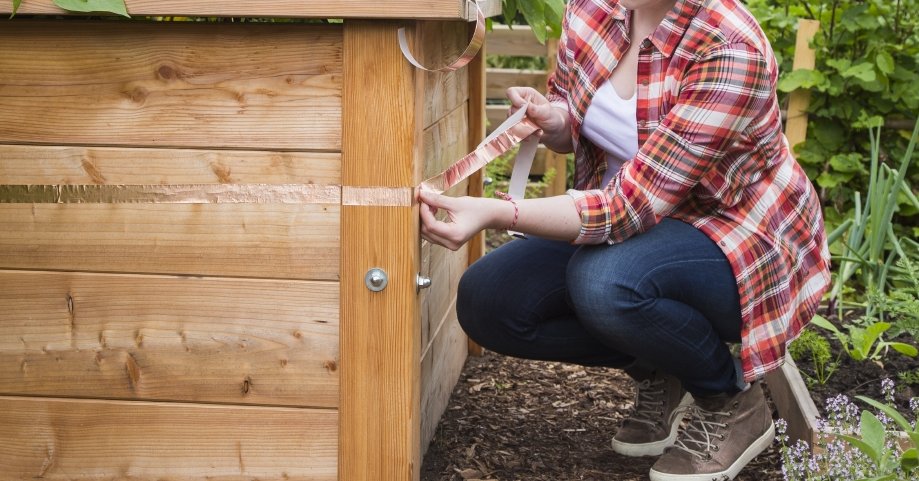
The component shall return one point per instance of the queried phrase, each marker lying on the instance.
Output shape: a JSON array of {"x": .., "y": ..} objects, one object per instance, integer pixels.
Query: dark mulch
[{"x": 511, "y": 419}]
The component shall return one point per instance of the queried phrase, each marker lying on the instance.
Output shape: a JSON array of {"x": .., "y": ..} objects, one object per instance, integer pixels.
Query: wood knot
[
  {"x": 138, "y": 94},
  {"x": 247, "y": 385},
  {"x": 298, "y": 334},
  {"x": 332, "y": 366},
  {"x": 283, "y": 362},
  {"x": 167, "y": 72}
]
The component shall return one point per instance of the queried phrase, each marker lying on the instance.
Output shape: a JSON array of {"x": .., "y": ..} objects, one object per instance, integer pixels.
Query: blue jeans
[{"x": 664, "y": 300}]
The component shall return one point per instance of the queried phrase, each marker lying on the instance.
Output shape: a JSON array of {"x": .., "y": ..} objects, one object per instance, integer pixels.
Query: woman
[{"x": 690, "y": 227}]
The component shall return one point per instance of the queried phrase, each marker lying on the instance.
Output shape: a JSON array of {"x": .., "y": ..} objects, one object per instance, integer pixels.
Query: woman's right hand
[{"x": 551, "y": 119}]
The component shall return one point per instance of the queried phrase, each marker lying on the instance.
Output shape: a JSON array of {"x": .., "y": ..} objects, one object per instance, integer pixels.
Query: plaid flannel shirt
[{"x": 711, "y": 153}]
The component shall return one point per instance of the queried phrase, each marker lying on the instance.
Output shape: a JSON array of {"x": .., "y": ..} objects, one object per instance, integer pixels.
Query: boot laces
[
  {"x": 702, "y": 433},
  {"x": 649, "y": 402}
]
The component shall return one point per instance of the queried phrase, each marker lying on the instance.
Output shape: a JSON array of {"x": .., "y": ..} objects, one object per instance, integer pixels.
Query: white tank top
[{"x": 610, "y": 125}]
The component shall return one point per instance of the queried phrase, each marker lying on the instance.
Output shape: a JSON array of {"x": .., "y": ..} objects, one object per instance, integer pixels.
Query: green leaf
[
  {"x": 891, "y": 412},
  {"x": 510, "y": 11},
  {"x": 535, "y": 15},
  {"x": 847, "y": 163},
  {"x": 863, "y": 71},
  {"x": 909, "y": 460},
  {"x": 872, "y": 431},
  {"x": 832, "y": 179},
  {"x": 904, "y": 348},
  {"x": 801, "y": 78},
  {"x": 885, "y": 62},
  {"x": 16, "y": 4},
  {"x": 111, "y": 6},
  {"x": 862, "y": 446}
]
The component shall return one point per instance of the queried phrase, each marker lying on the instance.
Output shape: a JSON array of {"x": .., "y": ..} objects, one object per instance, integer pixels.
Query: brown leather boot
[
  {"x": 722, "y": 435},
  {"x": 651, "y": 425}
]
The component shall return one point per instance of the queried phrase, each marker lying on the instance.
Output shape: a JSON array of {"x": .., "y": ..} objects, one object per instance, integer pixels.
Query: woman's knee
[{"x": 604, "y": 291}]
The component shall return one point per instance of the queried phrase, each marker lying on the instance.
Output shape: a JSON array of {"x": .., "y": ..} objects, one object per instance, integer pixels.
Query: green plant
[
  {"x": 869, "y": 243},
  {"x": 855, "y": 445},
  {"x": 867, "y": 64},
  {"x": 543, "y": 16},
  {"x": 815, "y": 347},
  {"x": 865, "y": 343},
  {"x": 910, "y": 377},
  {"x": 85, "y": 6}
]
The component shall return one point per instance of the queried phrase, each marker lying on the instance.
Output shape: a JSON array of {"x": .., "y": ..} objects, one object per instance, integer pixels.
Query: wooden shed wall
[
  {"x": 201, "y": 338},
  {"x": 183, "y": 339}
]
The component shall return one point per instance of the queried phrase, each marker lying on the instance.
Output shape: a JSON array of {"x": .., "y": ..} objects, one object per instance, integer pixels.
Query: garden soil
[{"x": 518, "y": 420}]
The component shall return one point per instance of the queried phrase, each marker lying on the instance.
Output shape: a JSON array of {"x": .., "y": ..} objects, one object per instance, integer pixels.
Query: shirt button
[
  {"x": 644, "y": 82},
  {"x": 723, "y": 244},
  {"x": 645, "y": 43}
]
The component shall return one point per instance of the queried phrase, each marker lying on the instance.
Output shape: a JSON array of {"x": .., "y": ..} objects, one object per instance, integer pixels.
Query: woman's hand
[
  {"x": 466, "y": 217},
  {"x": 551, "y": 119}
]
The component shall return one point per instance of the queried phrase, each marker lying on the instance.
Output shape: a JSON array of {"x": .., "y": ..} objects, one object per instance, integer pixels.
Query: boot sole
[
  {"x": 758, "y": 446},
  {"x": 655, "y": 448}
]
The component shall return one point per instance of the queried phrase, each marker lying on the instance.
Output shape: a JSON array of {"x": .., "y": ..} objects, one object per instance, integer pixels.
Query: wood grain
[
  {"x": 516, "y": 41},
  {"x": 805, "y": 57},
  {"x": 248, "y": 240},
  {"x": 497, "y": 81},
  {"x": 35, "y": 165},
  {"x": 68, "y": 440},
  {"x": 175, "y": 84},
  {"x": 241, "y": 341},
  {"x": 445, "y": 142},
  {"x": 419, "y": 9},
  {"x": 380, "y": 331},
  {"x": 444, "y": 267},
  {"x": 477, "y": 119},
  {"x": 440, "y": 368},
  {"x": 440, "y": 43}
]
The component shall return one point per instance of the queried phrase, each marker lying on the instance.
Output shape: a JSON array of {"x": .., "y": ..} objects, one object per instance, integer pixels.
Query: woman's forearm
[{"x": 550, "y": 217}]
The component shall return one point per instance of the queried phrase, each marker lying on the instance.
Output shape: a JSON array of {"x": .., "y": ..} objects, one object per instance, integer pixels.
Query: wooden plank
[
  {"x": 444, "y": 91},
  {"x": 445, "y": 142},
  {"x": 498, "y": 80},
  {"x": 67, "y": 440},
  {"x": 796, "y": 120},
  {"x": 444, "y": 267},
  {"x": 793, "y": 402},
  {"x": 441, "y": 366},
  {"x": 516, "y": 41},
  {"x": 240, "y": 341},
  {"x": 418, "y": 9},
  {"x": 380, "y": 331},
  {"x": 36, "y": 165},
  {"x": 249, "y": 240},
  {"x": 477, "y": 121},
  {"x": 554, "y": 160},
  {"x": 173, "y": 84}
]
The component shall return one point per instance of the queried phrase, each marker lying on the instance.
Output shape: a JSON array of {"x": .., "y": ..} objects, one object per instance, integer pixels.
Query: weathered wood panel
[
  {"x": 258, "y": 86},
  {"x": 439, "y": 44},
  {"x": 498, "y": 80},
  {"x": 419, "y": 9},
  {"x": 441, "y": 365},
  {"x": 251, "y": 240},
  {"x": 33, "y": 164},
  {"x": 519, "y": 41},
  {"x": 445, "y": 142},
  {"x": 68, "y": 440},
  {"x": 221, "y": 340},
  {"x": 444, "y": 267},
  {"x": 380, "y": 331}
]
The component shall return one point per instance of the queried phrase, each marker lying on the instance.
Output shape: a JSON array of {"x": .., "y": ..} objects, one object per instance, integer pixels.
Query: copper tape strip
[
  {"x": 517, "y": 129},
  {"x": 475, "y": 44}
]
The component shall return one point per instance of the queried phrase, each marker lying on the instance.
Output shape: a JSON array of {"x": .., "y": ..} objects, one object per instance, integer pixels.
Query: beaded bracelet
[{"x": 510, "y": 199}]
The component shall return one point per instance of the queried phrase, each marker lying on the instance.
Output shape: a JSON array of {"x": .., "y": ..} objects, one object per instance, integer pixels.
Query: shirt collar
[{"x": 668, "y": 34}]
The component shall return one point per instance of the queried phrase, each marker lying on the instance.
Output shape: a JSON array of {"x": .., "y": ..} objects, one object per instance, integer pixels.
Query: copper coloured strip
[
  {"x": 171, "y": 194},
  {"x": 377, "y": 196},
  {"x": 475, "y": 44}
]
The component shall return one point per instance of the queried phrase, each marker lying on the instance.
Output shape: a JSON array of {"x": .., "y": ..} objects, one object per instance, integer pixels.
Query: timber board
[
  {"x": 291, "y": 241},
  {"x": 174, "y": 84},
  {"x": 72, "y": 440},
  {"x": 242, "y": 341}
]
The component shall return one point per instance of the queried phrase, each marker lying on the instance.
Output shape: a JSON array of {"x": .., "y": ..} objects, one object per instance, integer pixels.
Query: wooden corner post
[
  {"x": 380, "y": 331},
  {"x": 805, "y": 57}
]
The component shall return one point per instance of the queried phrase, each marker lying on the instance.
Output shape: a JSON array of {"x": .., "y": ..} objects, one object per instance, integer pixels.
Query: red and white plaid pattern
[{"x": 712, "y": 154}]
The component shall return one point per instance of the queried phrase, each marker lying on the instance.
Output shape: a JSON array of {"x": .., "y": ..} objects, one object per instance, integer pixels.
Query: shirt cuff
[{"x": 593, "y": 207}]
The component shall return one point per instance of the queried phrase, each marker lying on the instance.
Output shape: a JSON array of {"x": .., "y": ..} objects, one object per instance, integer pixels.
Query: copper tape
[{"x": 475, "y": 44}]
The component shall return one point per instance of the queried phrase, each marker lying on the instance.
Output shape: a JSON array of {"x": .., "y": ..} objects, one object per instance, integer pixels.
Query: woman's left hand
[{"x": 466, "y": 216}]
